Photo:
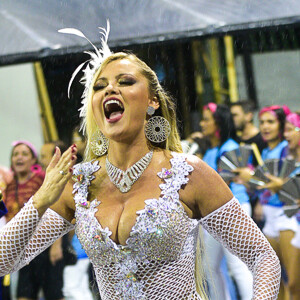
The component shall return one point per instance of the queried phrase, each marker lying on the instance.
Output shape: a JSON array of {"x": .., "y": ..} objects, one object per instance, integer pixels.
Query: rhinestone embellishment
[{"x": 124, "y": 180}]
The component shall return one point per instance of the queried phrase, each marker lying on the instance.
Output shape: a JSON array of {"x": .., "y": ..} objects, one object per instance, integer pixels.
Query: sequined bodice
[{"x": 158, "y": 260}]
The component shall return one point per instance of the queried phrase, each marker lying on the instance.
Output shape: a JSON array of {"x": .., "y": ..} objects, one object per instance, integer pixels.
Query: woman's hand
[
  {"x": 58, "y": 174},
  {"x": 274, "y": 185},
  {"x": 243, "y": 175}
]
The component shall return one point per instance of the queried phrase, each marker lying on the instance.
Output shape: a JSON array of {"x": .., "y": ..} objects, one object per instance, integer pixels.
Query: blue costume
[
  {"x": 278, "y": 152},
  {"x": 212, "y": 156},
  {"x": 275, "y": 219},
  {"x": 3, "y": 211}
]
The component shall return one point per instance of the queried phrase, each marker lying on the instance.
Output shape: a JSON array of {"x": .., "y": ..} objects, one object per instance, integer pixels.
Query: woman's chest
[
  {"x": 118, "y": 211},
  {"x": 110, "y": 222},
  {"x": 159, "y": 225}
]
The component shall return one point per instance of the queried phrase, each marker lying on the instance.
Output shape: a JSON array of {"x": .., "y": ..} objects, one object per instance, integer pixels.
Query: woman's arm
[
  {"x": 37, "y": 226},
  {"x": 227, "y": 222}
]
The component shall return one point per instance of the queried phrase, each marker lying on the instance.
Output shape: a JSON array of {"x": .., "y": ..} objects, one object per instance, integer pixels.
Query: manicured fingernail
[
  {"x": 74, "y": 146},
  {"x": 73, "y": 157},
  {"x": 70, "y": 170},
  {"x": 73, "y": 150}
]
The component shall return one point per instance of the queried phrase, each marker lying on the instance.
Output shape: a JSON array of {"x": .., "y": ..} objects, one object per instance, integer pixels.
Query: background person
[
  {"x": 3, "y": 211},
  {"x": 278, "y": 228},
  {"x": 292, "y": 136},
  {"x": 6, "y": 177},
  {"x": 43, "y": 272},
  {"x": 243, "y": 114},
  {"x": 217, "y": 125},
  {"x": 27, "y": 179},
  {"x": 247, "y": 133}
]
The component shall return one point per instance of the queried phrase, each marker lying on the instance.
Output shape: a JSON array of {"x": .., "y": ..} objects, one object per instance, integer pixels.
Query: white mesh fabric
[
  {"x": 158, "y": 261},
  {"x": 173, "y": 280},
  {"x": 27, "y": 235},
  {"x": 232, "y": 227}
]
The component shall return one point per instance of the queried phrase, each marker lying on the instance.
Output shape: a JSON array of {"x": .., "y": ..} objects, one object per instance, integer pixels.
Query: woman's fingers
[
  {"x": 66, "y": 161},
  {"x": 65, "y": 164},
  {"x": 55, "y": 158},
  {"x": 58, "y": 174}
]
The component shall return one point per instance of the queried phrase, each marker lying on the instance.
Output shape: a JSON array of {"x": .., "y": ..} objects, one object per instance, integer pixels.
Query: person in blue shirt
[
  {"x": 3, "y": 211},
  {"x": 217, "y": 125},
  {"x": 278, "y": 228},
  {"x": 292, "y": 136}
]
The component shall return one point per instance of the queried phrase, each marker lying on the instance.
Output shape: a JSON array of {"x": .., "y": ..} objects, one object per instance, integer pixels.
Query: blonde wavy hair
[{"x": 166, "y": 109}]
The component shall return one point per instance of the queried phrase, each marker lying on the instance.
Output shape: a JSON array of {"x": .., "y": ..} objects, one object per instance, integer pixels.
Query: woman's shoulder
[
  {"x": 206, "y": 188},
  {"x": 200, "y": 168}
]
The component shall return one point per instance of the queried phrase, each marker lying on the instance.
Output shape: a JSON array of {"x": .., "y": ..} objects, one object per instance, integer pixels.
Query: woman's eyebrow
[
  {"x": 117, "y": 77},
  {"x": 101, "y": 78}
]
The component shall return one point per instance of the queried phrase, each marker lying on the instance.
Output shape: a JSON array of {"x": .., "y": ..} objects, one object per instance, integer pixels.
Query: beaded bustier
[{"x": 158, "y": 261}]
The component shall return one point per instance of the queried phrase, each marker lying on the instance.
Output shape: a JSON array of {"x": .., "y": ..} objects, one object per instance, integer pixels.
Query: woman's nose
[{"x": 110, "y": 89}]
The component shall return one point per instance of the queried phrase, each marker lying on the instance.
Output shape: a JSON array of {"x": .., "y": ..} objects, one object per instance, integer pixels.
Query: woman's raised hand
[{"x": 58, "y": 173}]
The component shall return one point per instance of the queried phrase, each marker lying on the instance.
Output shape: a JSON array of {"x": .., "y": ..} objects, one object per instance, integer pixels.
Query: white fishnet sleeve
[
  {"x": 233, "y": 228},
  {"x": 27, "y": 235}
]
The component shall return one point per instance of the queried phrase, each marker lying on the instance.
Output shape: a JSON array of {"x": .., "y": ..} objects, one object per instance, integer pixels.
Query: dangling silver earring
[
  {"x": 99, "y": 143},
  {"x": 157, "y": 129}
]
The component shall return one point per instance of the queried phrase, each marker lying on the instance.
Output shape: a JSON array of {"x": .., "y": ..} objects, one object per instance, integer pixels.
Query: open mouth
[{"x": 113, "y": 109}]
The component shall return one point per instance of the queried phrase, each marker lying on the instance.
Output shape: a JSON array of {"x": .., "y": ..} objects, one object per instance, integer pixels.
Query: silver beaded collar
[{"x": 123, "y": 180}]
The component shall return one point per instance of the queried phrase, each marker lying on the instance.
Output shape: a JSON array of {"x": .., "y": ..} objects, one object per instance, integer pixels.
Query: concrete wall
[
  {"x": 277, "y": 78},
  {"x": 19, "y": 110}
]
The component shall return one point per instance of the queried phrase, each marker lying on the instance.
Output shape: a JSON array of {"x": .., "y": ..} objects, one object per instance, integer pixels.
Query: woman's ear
[{"x": 154, "y": 103}]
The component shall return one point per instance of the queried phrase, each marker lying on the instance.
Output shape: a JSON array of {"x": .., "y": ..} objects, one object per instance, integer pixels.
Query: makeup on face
[{"x": 269, "y": 126}]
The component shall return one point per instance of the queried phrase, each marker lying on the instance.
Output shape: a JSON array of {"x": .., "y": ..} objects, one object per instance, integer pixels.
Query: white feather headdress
[{"x": 91, "y": 65}]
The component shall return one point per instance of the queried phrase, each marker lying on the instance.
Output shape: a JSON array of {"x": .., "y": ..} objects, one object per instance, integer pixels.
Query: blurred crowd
[
  {"x": 230, "y": 143},
  {"x": 261, "y": 165}
]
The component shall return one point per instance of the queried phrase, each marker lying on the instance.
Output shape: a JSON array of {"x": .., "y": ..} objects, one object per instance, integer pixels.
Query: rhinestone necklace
[{"x": 123, "y": 180}]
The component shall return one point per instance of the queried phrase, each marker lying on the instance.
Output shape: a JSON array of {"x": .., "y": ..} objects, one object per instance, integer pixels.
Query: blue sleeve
[
  {"x": 228, "y": 146},
  {"x": 3, "y": 209},
  {"x": 240, "y": 192},
  {"x": 78, "y": 248}
]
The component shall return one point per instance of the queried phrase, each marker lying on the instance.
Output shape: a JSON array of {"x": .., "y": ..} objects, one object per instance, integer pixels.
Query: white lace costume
[{"x": 158, "y": 261}]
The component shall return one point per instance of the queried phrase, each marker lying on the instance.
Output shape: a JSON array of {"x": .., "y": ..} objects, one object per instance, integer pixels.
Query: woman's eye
[
  {"x": 98, "y": 86},
  {"x": 126, "y": 82}
]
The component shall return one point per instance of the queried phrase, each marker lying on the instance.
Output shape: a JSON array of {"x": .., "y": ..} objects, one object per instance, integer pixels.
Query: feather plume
[
  {"x": 78, "y": 33},
  {"x": 92, "y": 65},
  {"x": 73, "y": 76}
]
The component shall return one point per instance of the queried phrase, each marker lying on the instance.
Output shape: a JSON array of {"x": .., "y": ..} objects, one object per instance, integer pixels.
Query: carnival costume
[
  {"x": 158, "y": 261},
  {"x": 275, "y": 219}
]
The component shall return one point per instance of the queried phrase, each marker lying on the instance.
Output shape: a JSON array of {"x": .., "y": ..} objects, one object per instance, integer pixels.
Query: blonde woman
[{"x": 136, "y": 202}]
